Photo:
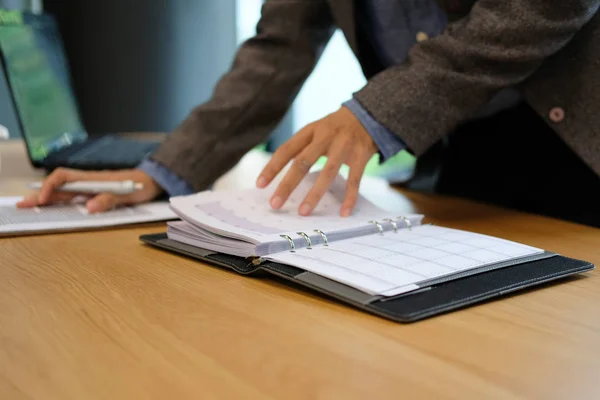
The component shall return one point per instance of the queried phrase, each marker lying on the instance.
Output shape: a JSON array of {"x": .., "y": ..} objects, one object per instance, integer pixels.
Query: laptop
[{"x": 36, "y": 69}]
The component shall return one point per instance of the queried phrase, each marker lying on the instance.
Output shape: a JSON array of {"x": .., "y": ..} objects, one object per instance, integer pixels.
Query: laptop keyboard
[{"x": 109, "y": 151}]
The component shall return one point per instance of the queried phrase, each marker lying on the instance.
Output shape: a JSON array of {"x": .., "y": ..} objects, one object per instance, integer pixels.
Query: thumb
[{"x": 102, "y": 202}]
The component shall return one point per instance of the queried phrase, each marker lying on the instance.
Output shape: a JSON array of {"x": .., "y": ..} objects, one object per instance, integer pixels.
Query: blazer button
[
  {"x": 422, "y": 36},
  {"x": 557, "y": 114}
]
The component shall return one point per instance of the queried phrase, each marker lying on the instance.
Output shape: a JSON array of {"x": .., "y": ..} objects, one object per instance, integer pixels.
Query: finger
[
  {"x": 284, "y": 154},
  {"x": 56, "y": 179},
  {"x": 108, "y": 201},
  {"x": 57, "y": 197},
  {"x": 28, "y": 201},
  {"x": 335, "y": 159},
  {"x": 300, "y": 167},
  {"x": 102, "y": 202},
  {"x": 357, "y": 170}
]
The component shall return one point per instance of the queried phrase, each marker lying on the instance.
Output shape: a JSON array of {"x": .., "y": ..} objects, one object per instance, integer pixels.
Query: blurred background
[{"x": 142, "y": 65}]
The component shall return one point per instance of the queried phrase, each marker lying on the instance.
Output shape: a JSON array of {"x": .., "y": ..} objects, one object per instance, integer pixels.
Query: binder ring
[
  {"x": 406, "y": 222},
  {"x": 394, "y": 224},
  {"x": 320, "y": 232},
  {"x": 292, "y": 245},
  {"x": 378, "y": 225},
  {"x": 307, "y": 238}
]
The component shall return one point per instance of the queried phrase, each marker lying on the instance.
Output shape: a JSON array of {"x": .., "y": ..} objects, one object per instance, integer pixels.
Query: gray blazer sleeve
[
  {"x": 499, "y": 44},
  {"x": 253, "y": 96}
]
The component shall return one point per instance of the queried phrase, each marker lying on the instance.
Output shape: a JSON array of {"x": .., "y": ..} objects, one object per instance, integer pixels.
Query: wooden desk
[
  {"x": 15, "y": 169},
  {"x": 98, "y": 315}
]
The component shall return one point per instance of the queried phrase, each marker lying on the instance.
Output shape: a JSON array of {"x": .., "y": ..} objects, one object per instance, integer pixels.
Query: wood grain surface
[{"x": 98, "y": 315}]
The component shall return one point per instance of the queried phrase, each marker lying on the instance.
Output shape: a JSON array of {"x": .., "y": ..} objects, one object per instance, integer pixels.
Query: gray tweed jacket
[{"x": 548, "y": 49}]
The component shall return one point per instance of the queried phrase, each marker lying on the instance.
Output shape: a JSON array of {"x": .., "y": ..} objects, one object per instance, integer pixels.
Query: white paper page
[
  {"x": 9, "y": 201},
  {"x": 204, "y": 236},
  {"x": 246, "y": 214},
  {"x": 397, "y": 262},
  {"x": 74, "y": 217}
]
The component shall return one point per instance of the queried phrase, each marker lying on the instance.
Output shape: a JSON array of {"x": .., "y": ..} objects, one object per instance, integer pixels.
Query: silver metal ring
[
  {"x": 307, "y": 238},
  {"x": 394, "y": 224},
  {"x": 292, "y": 245},
  {"x": 378, "y": 225},
  {"x": 406, "y": 222},
  {"x": 320, "y": 232}
]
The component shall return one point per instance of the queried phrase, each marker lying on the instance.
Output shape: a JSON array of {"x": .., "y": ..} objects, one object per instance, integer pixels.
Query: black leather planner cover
[{"x": 440, "y": 297}]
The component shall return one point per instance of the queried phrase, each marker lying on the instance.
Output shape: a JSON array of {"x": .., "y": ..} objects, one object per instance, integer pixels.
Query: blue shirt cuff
[
  {"x": 388, "y": 143},
  {"x": 172, "y": 184}
]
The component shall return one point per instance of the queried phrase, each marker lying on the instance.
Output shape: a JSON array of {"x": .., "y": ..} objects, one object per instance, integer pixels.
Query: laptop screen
[
  {"x": 38, "y": 75},
  {"x": 8, "y": 113}
]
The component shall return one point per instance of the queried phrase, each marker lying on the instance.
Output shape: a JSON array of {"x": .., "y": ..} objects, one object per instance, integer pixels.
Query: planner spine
[{"x": 309, "y": 245}]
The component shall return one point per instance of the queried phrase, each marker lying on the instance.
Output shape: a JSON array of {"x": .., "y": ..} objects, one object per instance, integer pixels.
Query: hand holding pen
[{"x": 106, "y": 189}]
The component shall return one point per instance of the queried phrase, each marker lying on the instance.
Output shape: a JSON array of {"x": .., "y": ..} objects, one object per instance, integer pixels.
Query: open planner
[{"x": 397, "y": 266}]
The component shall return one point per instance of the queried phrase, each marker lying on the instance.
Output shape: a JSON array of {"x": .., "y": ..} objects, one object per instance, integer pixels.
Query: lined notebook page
[
  {"x": 395, "y": 263},
  {"x": 247, "y": 214}
]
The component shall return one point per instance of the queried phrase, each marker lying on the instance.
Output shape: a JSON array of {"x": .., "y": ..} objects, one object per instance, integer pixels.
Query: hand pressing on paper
[
  {"x": 49, "y": 193},
  {"x": 339, "y": 136}
]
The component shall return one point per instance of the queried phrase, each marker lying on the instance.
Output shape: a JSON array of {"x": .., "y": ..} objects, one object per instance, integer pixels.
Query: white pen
[{"x": 93, "y": 187}]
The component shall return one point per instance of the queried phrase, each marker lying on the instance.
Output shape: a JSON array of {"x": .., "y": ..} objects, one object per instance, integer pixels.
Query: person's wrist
[
  {"x": 151, "y": 187},
  {"x": 366, "y": 139}
]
